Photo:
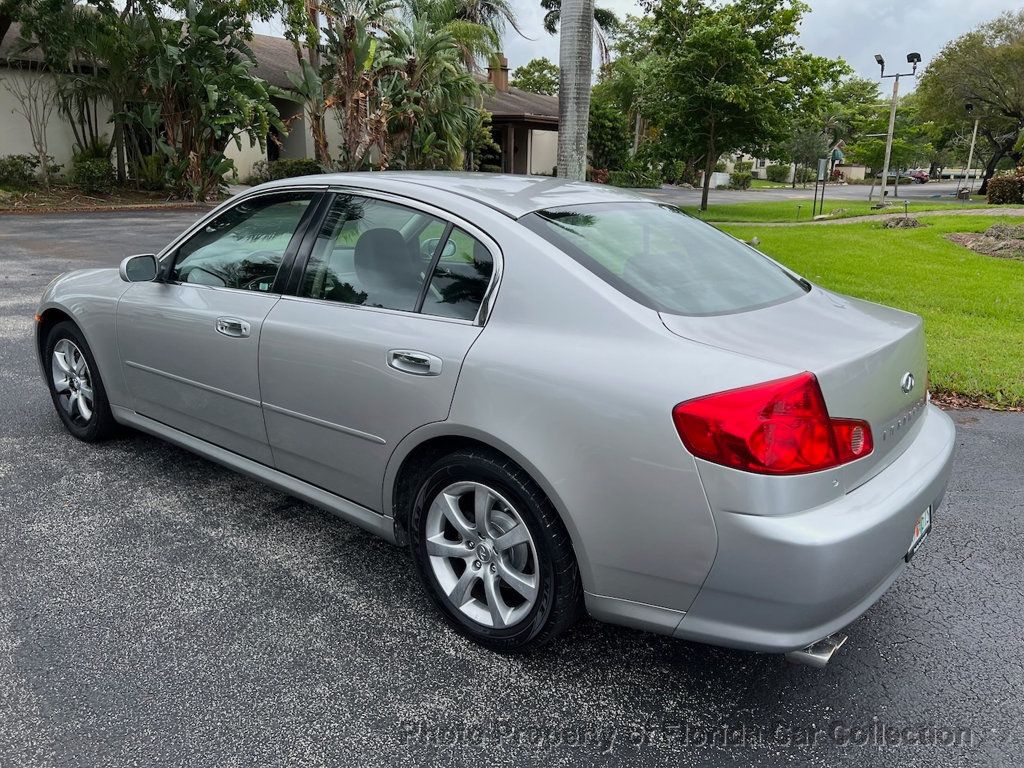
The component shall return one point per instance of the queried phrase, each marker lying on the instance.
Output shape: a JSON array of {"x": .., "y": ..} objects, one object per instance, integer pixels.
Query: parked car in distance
[
  {"x": 558, "y": 395},
  {"x": 919, "y": 176}
]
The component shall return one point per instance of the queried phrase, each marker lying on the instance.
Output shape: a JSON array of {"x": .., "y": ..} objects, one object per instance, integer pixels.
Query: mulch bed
[
  {"x": 1003, "y": 241},
  {"x": 66, "y": 200}
]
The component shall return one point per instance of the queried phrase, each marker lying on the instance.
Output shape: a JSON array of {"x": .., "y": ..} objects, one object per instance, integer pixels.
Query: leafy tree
[
  {"x": 537, "y": 76},
  {"x": 807, "y": 146},
  {"x": 608, "y": 135},
  {"x": 981, "y": 68},
  {"x": 481, "y": 148},
  {"x": 35, "y": 101},
  {"x": 732, "y": 77},
  {"x": 849, "y": 106},
  {"x": 199, "y": 78}
]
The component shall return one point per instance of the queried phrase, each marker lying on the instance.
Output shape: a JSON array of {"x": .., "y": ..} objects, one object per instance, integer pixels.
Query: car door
[
  {"x": 189, "y": 342},
  {"x": 370, "y": 345}
]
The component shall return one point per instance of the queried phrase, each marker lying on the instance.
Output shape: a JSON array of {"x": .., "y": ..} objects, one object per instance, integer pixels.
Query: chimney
[{"x": 498, "y": 76}]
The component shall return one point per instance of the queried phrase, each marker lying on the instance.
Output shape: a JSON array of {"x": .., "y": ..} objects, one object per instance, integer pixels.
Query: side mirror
[
  {"x": 429, "y": 246},
  {"x": 138, "y": 269}
]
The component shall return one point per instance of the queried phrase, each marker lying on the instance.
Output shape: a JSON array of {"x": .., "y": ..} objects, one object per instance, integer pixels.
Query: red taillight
[{"x": 779, "y": 427}]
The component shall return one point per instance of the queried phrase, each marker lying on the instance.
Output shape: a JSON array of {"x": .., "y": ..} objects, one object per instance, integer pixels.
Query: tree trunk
[
  {"x": 5, "y": 24},
  {"x": 575, "y": 59},
  {"x": 990, "y": 169},
  {"x": 316, "y": 114},
  {"x": 709, "y": 168}
]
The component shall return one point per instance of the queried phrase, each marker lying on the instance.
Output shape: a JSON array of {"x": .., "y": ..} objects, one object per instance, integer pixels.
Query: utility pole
[{"x": 914, "y": 59}]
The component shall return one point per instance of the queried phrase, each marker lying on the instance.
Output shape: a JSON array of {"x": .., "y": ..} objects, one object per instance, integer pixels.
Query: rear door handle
[
  {"x": 416, "y": 363},
  {"x": 232, "y": 326}
]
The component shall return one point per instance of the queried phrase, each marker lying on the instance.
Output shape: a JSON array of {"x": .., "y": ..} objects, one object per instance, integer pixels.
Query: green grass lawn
[
  {"x": 765, "y": 184},
  {"x": 973, "y": 305},
  {"x": 786, "y": 210}
]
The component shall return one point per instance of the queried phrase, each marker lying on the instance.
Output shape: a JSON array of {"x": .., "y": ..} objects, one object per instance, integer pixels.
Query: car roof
[{"x": 513, "y": 195}]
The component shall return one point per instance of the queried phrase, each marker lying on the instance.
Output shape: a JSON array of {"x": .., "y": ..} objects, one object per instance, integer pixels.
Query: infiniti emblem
[{"x": 907, "y": 382}]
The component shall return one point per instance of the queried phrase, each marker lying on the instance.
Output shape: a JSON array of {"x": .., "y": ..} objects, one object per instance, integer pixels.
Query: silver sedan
[{"x": 560, "y": 396}]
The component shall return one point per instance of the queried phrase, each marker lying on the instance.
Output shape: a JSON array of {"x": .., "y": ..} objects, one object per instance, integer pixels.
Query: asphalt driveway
[{"x": 156, "y": 609}]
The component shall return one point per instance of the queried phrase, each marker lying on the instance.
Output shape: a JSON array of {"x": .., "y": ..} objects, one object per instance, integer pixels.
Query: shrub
[
  {"x": 805, "y": 175},
  {"x": 635, "y": 176},
  {"x": 740, "y": 180},
  {"x": 151, "y": 173},
  {"x": 778, "y": 173},
  {"x": 720, "y": 166},
  {"x": 283, "y": 169},
  {"x": 92, "y": 175},
  {"x": 597, "y": 175},
  {"x": 673, "y": 172},
  {"x": 1006, "y": 188},
  {"x": 608, "y": 137},
  {"x": 18, "y": 170},
  {"x": 743, "y": 166},
  {"x": 488, "y": 168}
]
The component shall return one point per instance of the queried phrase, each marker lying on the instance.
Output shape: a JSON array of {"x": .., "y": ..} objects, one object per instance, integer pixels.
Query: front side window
[
  {"x": 659, "y": 256},
  {"x": 245, "y": 246}
]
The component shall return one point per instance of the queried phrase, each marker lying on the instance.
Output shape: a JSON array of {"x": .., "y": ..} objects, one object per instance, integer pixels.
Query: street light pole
[
  {"x": 970, "y": 155},
  {"x": 888, "y": 137},
  {"x": 914, "y": 59}
]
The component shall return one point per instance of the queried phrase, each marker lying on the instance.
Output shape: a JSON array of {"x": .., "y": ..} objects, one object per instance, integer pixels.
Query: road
[
  {"x": 932, "y": 192},
  {"x": 158, "y": 610}
]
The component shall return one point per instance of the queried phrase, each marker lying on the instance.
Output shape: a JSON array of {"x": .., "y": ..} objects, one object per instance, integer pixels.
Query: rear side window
[
  {"x": 460, "y": 279},
  {"x": 370, "y": 252},
  {"x": 665, "y": 259}
]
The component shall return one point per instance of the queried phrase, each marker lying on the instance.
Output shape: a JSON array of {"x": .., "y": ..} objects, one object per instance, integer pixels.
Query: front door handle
[
  {"x": 232, "y": 326},
  {"x": 416, "y": 363}
]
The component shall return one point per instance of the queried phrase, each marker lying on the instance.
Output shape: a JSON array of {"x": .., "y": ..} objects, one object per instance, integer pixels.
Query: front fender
[{"x": 89, "y": 297}]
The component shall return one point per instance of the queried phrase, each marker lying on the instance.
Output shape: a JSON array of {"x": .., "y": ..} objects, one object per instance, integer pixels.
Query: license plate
[{"x": 921, "y": 531}]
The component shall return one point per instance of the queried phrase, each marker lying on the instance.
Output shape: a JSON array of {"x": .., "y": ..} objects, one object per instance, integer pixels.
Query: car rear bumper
[{"x": 780, "y": 583}]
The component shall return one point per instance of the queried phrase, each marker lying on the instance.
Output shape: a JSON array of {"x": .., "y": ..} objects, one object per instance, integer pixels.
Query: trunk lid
[{"x": 860, "y": 352}]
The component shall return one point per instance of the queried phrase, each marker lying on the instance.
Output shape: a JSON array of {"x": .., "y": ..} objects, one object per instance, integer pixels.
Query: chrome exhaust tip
[{"x": 818, "y": 654}]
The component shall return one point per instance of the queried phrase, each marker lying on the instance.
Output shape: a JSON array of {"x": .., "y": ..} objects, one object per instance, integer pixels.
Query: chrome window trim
[{"x": 363, "y": 308}]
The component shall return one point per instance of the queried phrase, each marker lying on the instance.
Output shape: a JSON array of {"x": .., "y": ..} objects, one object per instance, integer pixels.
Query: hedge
[{"x": 1006, "y": 188}]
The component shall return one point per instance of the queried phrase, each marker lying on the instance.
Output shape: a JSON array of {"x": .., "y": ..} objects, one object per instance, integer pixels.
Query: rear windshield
[{"x": 661, "y": 257}]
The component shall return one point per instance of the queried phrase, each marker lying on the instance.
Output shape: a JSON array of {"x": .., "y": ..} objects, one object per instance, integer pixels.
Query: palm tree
[
  {"x": 476, "y": 25},
  {"x": 575, "y": 59},
  {"x": 605, "y": 23},
  {"x": 434, "y": 99}
]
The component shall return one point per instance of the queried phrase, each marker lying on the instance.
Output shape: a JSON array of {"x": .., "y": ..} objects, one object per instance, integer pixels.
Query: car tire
[
  {"x": 492, "y": 552},
  {"x": 75, "y": 385}
]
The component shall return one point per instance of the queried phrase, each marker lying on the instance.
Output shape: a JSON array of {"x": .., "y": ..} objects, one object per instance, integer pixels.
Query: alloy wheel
[
  {"x": 482, "y": 555},
  {"x": 72, "y": 381}
]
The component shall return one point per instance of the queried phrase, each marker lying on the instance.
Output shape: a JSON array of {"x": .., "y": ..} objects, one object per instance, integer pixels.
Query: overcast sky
[{"x": 853, "y": 29}]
